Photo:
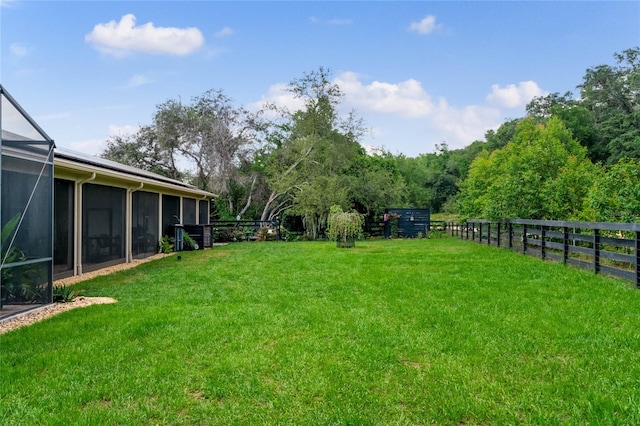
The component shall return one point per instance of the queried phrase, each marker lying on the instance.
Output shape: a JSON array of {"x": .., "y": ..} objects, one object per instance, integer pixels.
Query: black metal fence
[
  {"x": 611, "y": 248},
  {"x": 245, "y": 230}
]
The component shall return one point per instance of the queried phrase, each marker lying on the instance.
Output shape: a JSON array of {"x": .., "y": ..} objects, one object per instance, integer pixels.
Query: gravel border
[{"x": 47, "y": 311}]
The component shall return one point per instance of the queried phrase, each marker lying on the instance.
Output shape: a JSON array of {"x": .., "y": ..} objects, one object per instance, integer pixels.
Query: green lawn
[{"x": 436, "y": 331}]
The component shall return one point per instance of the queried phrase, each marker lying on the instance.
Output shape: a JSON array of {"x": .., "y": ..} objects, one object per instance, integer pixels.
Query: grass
[{"x": 436, "y": 331}]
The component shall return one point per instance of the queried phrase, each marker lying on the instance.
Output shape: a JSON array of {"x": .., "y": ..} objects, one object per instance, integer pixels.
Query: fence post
[
  {"x": 543, "y": 247},
  {"x": 510, "y": 235},
  {"x": 637, "y": 259},
  {"x": 565, "y": 245},
  {"x": 489, "y": 233},
  {"x": 498, "y": 235},
  {"x": 524, "y": 239},
  {"x": 473, "y": 231},
  {"x": 596, "y": 250}
]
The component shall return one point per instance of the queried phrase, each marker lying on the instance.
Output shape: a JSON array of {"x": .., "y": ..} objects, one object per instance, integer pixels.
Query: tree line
[{"x": 566, "y": 159}]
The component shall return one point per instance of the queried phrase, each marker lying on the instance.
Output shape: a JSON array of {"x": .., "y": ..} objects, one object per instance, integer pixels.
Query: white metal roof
[{"x": 97, "y": 163}]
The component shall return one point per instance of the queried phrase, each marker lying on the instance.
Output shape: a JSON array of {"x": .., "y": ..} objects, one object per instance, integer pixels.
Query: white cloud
[
  {"x": 127, "y": 129},
  {"x": 333, "y": 21},
  {"x": 55, "y": 116},
  {"x": 279, "y": 96},
  {"x": 405, "y": 118},
  {"x": 137, "y": 80},
  {"x": 461, "y": 126},
  {"x": 513, "y": 96},
  {"x": 7, "y": 3},
  {"x": 374, "y": 150},
  {"x": 426, "y": 26},
  {"x": 337, "y": 21},
  {"x": 225, "y": 32},
  {"x": 407, "y": 98},
  {"x": 18, "y": 49},
  {"x": 89, "y": 146},
  {"x": 121, "y": 38},
  {"x": 97, "y": 146}
]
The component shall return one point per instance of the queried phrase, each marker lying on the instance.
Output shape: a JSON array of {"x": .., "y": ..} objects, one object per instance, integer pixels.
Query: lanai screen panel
[
  {"x": 63, "y": 228},
  {"x": 145, "y": 219},
  {"x": 203, "y": 212},
  {"x": 26, "y": 208},
  {"x": 189, "y": 211},
  {"x": 170, "y": 214},
  {"x": 103, "y": 225}
]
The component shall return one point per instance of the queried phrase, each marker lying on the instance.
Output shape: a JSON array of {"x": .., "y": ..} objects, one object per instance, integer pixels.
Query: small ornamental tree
[{"x": 344, "y": 227}]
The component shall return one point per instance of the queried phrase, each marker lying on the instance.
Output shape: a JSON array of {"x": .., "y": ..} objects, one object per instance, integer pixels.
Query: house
[
  {"x": 107, "y": 213},
  {"x": 65, "y": 213}
]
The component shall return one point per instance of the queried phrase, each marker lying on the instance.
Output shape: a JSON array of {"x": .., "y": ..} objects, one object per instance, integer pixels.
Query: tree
[
  {"x": 576, "y": 117},
  {"x": 344, "y": 227},
  {"x": 612, "y": 95},
  {"x": 141, "y": 150},
  {"x": 308, "y": 154},
  {"x": 431, "y": 178},
  {"x": 615, "y": 194},
  {"x": 212, "y": 134},
  {"x": 376, "y": 184},
  {"x": 546, "y": 106},
  {"x": 542, "y": 174}
]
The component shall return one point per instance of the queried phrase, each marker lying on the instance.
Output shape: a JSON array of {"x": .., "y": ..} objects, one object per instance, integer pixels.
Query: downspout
[
  {"x": 77, "y": 249},
  {"x": 128, "y": 223}
]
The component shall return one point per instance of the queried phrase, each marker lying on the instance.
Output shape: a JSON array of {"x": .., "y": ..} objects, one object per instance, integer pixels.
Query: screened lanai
[
  {"x": 108, "y": 213},
  {"x": 65, "y": 213},
  {"x": 26, "y": 210}
]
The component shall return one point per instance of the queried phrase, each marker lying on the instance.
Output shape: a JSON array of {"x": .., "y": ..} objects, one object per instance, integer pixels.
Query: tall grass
[{"x": 392, "y": 332}]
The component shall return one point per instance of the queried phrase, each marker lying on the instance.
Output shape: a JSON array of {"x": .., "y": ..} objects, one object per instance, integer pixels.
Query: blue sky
[{"x": 419, "y": 73}]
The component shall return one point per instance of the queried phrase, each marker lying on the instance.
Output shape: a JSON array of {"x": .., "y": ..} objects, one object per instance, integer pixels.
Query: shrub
[
  {"x": 165, "y": 245},
  {"x": 344, "y": 227},
  {"x": 266, "y": 234},
  {"x": 189, "y": 243},
  {"x": 64, "y": 294}
]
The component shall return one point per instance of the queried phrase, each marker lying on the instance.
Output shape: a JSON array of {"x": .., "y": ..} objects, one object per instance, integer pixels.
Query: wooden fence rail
[{"x": 611, "y": 248}]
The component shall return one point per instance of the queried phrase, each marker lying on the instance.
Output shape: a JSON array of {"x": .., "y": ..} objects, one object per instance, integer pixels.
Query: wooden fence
[
  {"x": 611, "y": 248},
  {"x": 432, "y": 228}
]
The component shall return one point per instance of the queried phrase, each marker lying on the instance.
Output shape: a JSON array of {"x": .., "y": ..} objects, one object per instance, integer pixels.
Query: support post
[
  {"x": 543, "y": 246},
  {"x": 524, "y": 239},
  {"x": 565, "y": 245},
  {"x": 498, "y": 235},
  {"x": 637, "y": 259},
  {"x": 596, "y": 251}
]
